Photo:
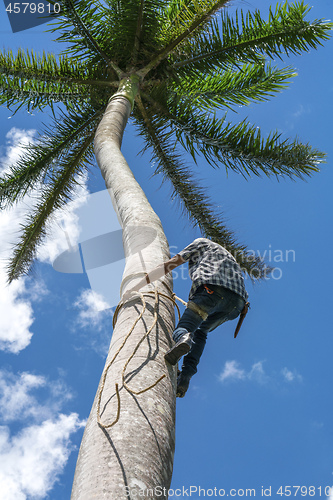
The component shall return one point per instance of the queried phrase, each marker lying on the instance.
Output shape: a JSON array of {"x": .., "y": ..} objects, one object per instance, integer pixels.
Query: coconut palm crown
[{"x": 183, "y": 65}]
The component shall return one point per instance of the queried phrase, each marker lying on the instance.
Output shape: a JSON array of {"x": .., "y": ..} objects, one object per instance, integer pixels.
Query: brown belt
[{"x": 241, "y": 318}]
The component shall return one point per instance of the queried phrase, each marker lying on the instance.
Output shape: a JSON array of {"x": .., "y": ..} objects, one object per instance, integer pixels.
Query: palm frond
[
  {"x": 148, "y": 24},
  {"x": 28, "y": 64},
  {"x": 183, "y": 17},
  {"x": 192, "y": 197},
  {"x": 184, "y": 20},
  {"x": 82, "y": 25},
  {"x": 53, "y": 197},
  {"x": 239, "y": 147},
  {"x": 243, "y": 149},
  {"x": 44, "y": 157},
  {"x": 138, "y": 33},
  {"x": 252, "y": 82},
  {"x": 248, "y": 37},
  {"x": 46, "y": 67},
  {"x": 34, "y": 81},
  {"x": 132, "y": 31},
  {"x": 16, "y": 93}
]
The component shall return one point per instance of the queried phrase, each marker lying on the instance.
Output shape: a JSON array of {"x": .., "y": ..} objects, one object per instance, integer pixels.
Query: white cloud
[
  {"x": 16, "y": 316},
  {"x": 16, "y": 311},
  {"x": 93, "y": 323},
  {"x": 257, "y": 373},
  {"x": 18, "y": 400},
  {"x": 92, "y": 309},
  {"x": 301, "y": 110},
  {"x": 291, "y": 376},
  {"x": 233, "y": 371},
  {"x": 64, "y": 231},
  {"x": 32, "y": 459},
  {"x": 16, "y": 139},
  {"x": 35, "y": 290}
]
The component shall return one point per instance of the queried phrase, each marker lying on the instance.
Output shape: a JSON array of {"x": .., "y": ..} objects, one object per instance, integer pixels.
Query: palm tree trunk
[{"x": 136, "y": 453}]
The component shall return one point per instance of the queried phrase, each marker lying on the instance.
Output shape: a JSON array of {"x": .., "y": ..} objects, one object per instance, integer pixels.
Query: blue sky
[{"x": 258, "y": 413}]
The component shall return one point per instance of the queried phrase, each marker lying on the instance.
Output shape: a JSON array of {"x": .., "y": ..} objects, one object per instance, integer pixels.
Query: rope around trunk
[{"x": 157, "y": 293}]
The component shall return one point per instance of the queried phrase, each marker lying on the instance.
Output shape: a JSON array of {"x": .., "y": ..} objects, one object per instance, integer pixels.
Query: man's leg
[
  {"x": 228, "y": 308},
  {"x": 183, "y": 336},
  {"x": 200, "y": 305},
  {"x": 190, "y": 362}
]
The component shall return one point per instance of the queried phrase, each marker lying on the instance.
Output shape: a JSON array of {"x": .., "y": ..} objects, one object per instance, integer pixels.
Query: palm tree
[{"x": 176, "y": 67}]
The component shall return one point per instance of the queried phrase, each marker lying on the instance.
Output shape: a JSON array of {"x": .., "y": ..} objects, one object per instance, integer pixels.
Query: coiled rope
[{"x": 173, "y": 297}]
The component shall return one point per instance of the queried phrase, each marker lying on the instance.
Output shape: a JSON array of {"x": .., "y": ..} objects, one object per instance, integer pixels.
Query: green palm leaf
[
  {"x": 28, "y": 65},
  {"x": 249, "y": 37},
  {"x": 34, "y": 81},
  {"x": 54, "y": 196},
  {"x": 230, "y": 89},
  {"x": 136, "y": 24},
  {"x": 182, "y": 17},
  {"x": 182, "y": 25},
  {"x": 241, "y": 147},
  {"x": 46, "y": 155},
  {"x": 82, "y": 27},
  {"x": 193, "y": 199}
]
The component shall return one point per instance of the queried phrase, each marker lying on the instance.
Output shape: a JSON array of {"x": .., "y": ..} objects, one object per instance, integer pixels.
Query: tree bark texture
[{"x": 135, "y": 455}]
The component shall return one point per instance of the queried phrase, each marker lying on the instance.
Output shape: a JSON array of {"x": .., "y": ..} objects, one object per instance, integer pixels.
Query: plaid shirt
[{"x": 209, "y": 263}]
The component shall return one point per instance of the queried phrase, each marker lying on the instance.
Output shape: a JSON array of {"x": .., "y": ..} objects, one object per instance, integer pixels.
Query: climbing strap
[
  {"x": 156, "y": 293},
  {"x": 173, "y": 297}
]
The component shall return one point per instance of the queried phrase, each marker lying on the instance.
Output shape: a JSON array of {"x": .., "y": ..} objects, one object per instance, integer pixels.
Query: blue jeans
[{"x": 222, "y": 305}]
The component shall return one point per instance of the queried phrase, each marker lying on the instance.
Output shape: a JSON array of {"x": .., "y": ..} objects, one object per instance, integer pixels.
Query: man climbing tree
[{"x": 217, "y": 295}]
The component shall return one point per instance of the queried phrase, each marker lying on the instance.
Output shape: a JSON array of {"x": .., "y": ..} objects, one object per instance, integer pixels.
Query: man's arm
[{"x": 156, "y": 273}]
